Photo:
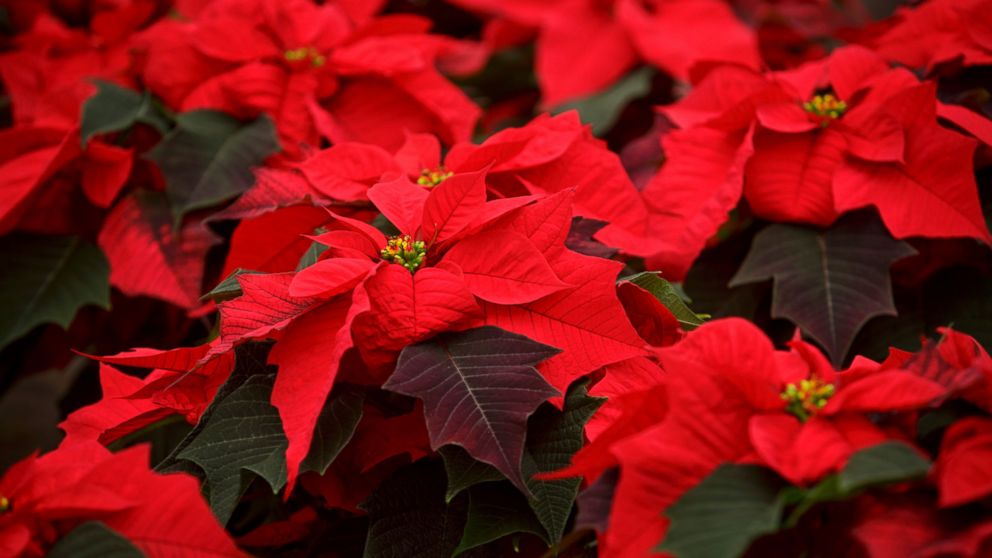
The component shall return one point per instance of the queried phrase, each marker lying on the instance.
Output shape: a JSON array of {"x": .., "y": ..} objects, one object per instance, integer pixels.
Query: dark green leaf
[
  {"x": 228, "y": 288},
  {"x": 46, "y": 279},
  {"x": 723, "y": 514},
  {"x": 884, "y": 463},
  {"x": 29, "y": 412},
  {"x": 666, "y": 294},
  {"x": 463, "y": 471},
  {"x": 829, "y": 282},
  {"x": 114, "y": 108},
  {"x": 603, "y": 109},
  {"x": 496, "y": 510},
  {"x": 208, "y": 158},
  {"x": 310, "y": 256},
  {"x": 335, "y": 426},
  {"x": 552, "y": 439},
  {"x": 93, "y": 539},
  {"x": 243, "y": 433},
  {"x": 250, "y": 360},
  {"x": 478, "y": 388},
  {"x": 409, "y": 518}
]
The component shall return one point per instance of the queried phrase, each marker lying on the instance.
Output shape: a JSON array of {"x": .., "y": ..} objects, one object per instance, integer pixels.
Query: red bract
[
  {"x": 808, "y": 145},
  {"x": 964, "y": 469},
  {"x": 548, "y": 155},
  {"x": 175, "y": 386},
  {"x": 314, "y": 69},
  {"x": 938, "y": 32},
  {"x": 47, "y": 81},
  {"x": 584, "y": 46},
  {"x": 727, "y": 396},
  {"x": 902, "y": 526},
  {"x": 163, "y": 515},
  {"x": 459, "y": 262}
]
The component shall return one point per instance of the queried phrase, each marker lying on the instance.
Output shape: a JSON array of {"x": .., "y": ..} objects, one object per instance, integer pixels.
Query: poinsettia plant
[{"x": 679, "y": 278}]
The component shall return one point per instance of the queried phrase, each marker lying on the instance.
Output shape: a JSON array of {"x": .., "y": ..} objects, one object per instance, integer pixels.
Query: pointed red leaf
[
  {"x": 504, "y": 267},
  {"x": 147, "y": 257},
  {"x": 181, "y": 359},
  {"x": 934, "y": 193},
  {"x": 273, "y": 188},
  {"x": 265, "y": 306},
  {"x": 273, "y": 242},
  {"x": 790, "y": 176},
  {"x": 545, "y": 223},
  {"x": 586, "y": 322},
  {"x": 328, "y": 278},
  {"x": 402, "y": 202},
  {"x": 114, "y": 415},
  {"x": 691, "y": 196},
  {"x": 346, "y": 170},
  {"x": 453, "y": 205},
  {"x": 308, "y": 357},
  {"x": 478, "y": 388}
]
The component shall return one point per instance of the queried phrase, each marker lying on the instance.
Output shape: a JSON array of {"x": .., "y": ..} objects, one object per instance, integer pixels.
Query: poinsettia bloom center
[
  {"x": 824, "y": 109},
  {"x": 403, "y": 250},
  {"x": 305, "y": 54},
  {"x": 807, "y": 398},
  {"x": 430, "y": 178},
  {"x": 4, "y": 504}
]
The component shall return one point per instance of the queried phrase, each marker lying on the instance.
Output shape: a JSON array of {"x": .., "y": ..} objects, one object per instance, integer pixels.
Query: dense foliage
[{"x": 620, "y": 278}]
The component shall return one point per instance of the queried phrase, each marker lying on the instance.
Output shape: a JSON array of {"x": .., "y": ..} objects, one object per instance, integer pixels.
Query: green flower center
[
  {"x": 307, "y": 53},
  {"x": 807, "y": 398},
  {"x": 405, "y": 251},
  {"x": 824, "y": 109},
  {"x": 430, "y": 178}
]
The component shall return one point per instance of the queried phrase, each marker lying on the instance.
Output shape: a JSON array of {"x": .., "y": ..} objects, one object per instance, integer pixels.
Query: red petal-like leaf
[
  {"x": 331, "y": 277},
  {"x": 697, "y": 187},
  {"x": 504, "y": 267},
  {"x": 964, "y": 465},
  {"x": 586, "y": 322},
  {"x": 453, "y": 205},
  {"x": 400, "y": 201},
  {"x": 147, "y": 257},
  {"x": 309, "y": 356},
  {"x": 410, "y": 307},
  {"x": 265, "y": 306}
]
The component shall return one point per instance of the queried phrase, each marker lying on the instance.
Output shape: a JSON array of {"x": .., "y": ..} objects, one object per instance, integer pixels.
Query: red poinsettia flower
[
  {"x": 548, "y": 155},
  {"x": 584, "y": 46},
  {"x": 313, "y": 68},
  {"x": 458, "y": 262},
  {"x": 825, "y": 413},
  {"x": 808, "y": 145},
  {"x": 938, "y": 32},
  {"x": 44, "y": 498},
  {"x": 48, "y": 78},
  {"x": 726, "y": 395}
]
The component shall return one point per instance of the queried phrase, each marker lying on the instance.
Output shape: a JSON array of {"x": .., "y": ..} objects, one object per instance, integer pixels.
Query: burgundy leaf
[{"x": 478, "y": 387}]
